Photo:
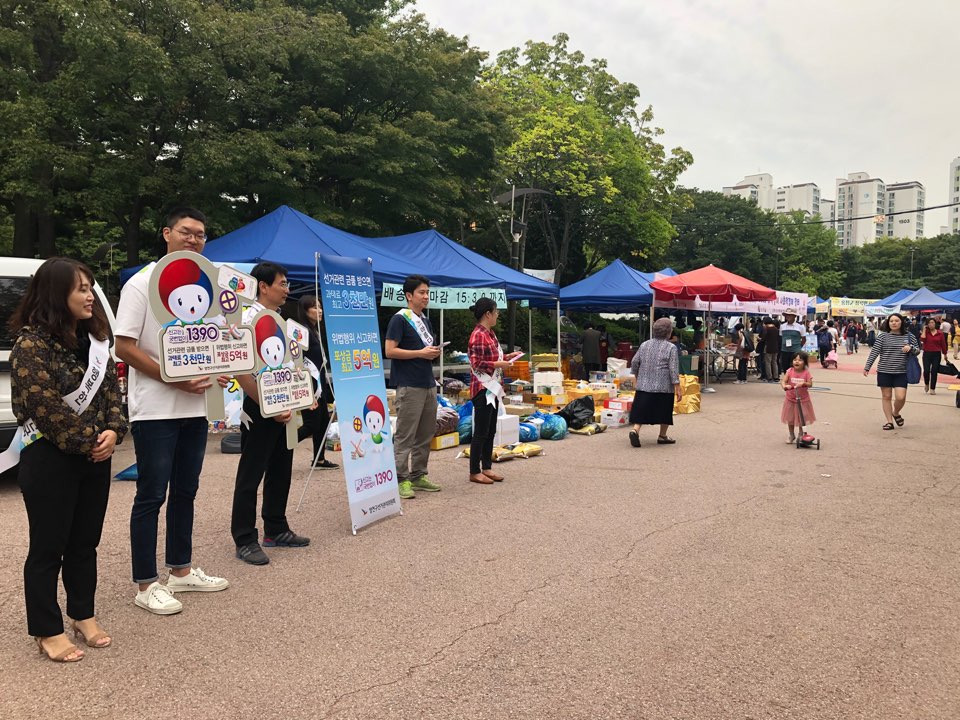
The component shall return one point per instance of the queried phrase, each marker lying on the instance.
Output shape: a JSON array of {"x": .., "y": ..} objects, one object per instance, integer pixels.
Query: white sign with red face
[
  {"x": 200, "y": 333},
  {"x": 282, "y": 383}
]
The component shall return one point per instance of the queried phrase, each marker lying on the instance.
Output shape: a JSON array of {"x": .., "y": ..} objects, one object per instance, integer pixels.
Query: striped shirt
[
  {"x": 657, "y": 366},
  {"x": 889, "y": 348}
]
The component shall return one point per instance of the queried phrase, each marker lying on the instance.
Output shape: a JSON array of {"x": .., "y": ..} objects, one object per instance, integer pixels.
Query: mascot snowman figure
[{"x": 185, "y": 291}]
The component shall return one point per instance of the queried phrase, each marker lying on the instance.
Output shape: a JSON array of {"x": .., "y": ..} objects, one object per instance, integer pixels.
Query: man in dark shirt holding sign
[{"x": 412, "y": 347}]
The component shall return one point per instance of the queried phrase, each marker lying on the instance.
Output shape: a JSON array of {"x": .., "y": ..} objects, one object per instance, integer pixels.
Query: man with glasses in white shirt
[{"x": 168, "y": 422}]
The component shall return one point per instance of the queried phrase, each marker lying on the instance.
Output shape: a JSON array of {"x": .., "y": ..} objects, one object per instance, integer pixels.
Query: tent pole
[
  {"x": 559, "y": 359},
  {"x": 709, "y": 337},
  {"x": 530, "y": 331},
  {"x": 441, "y": 350}
]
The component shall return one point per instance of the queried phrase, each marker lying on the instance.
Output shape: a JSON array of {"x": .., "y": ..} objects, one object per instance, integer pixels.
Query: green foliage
[
  {"x": 576, "y": 132},
  {"x": 113, "y": 110}
]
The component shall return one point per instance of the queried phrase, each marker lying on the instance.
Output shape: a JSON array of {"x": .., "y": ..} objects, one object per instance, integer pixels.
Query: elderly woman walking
[{"x": 657, "y": 369}]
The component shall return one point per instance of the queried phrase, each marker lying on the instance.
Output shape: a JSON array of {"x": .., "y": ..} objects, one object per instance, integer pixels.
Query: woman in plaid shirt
[{"x": 486, "y": 364}]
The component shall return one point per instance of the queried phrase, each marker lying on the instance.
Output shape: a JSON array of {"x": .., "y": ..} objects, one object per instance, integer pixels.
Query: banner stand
[
  {"x": 346, "y": 291},
  {"x": 313, "y": 465}
]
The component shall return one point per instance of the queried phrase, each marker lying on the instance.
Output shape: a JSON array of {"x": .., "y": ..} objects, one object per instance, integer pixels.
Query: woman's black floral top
[{"x": 43, "y": 370}]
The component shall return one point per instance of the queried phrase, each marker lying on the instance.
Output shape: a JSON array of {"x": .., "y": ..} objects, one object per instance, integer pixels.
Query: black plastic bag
[
  {"x": 578, "y": 412},
  {"x": 948, "y": 368}
]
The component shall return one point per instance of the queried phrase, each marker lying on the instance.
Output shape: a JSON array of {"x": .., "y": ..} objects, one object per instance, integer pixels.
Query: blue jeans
[{"x": 169, "y": 455}]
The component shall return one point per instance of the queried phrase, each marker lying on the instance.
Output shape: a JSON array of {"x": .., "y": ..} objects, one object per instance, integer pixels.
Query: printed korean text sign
[
  {"x": 356, "y": 363},
  {"x": 282, "y": 383},
  {"x": 200, "y": 333},
  {"x": 442, "y": 298}
]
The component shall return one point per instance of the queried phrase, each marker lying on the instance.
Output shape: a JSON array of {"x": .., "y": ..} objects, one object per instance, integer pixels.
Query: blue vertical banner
[{"x": 356, "y": 364}]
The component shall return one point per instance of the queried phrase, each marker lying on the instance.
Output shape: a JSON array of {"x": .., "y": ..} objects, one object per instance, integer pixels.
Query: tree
[
  {"x": 576, "y": 133},
  {"x": 809, "y": 258},
  {"x": 726, "y": 231}
]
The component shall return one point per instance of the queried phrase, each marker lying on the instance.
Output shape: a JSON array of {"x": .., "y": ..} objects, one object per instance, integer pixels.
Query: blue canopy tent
[
  {"x": 926, "y": 299},
  {"x": 290, "y": 238},
  {"x": 615, "y": 288},
  {"x": 449, "y": 264},
  {"x": 953, "y": 295},
  {"x": 889, "y": 304}
]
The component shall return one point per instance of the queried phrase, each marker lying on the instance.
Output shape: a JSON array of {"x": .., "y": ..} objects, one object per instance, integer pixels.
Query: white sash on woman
[
  {"x": 492, "y": 382},
  {"x": 419, "y": 325},
  {"x": 78, "y": 401}
]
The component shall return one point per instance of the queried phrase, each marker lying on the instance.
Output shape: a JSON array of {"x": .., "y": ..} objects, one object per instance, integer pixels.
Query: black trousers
[
  {"x": 484, "y": 430},
  {"x": 931, "y": 363},
  {"x": 315, "y": 426},
  {"x": 786, "y": 360},
  {"x": 742, "y": 369},
  {"x": 263, "y": 456},
  {"x": 66, "y": 501}
]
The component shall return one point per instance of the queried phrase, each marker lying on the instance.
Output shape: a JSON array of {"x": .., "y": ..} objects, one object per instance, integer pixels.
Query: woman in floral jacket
[{"x": 67, "y": 400}]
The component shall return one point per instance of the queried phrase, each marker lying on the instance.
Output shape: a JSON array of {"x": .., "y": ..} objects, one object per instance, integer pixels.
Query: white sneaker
[
  {"x": 158, "y": 600},
  {"x": 196, "y": 581}
]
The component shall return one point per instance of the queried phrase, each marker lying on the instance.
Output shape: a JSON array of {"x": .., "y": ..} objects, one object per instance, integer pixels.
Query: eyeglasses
[{"x": 186, "y": 235}]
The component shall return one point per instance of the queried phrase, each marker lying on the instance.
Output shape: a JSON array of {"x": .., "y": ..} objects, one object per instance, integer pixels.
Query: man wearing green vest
[{"x": 791, "y": 339}]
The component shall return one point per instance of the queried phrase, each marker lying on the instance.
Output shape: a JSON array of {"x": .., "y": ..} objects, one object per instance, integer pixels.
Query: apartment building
[
  {"x": 954, "y": 195},
  {"x": 828, "y": 212},
  {"x": 901, "y": 197},
  {"x": 784, "y": 199},
  {"x": 758, "y": 188},
  {"x": 860, "y": 196}
]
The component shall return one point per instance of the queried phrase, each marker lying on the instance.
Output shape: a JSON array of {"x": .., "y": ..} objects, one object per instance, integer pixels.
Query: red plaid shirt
[{"x": 484, "y": 351}]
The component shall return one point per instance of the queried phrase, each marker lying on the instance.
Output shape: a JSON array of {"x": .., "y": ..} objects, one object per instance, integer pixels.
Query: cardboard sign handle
[{"x": 215, "y": 407}]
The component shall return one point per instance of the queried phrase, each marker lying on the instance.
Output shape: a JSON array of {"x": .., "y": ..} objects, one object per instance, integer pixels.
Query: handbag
[{"x": 913, "y": 370}]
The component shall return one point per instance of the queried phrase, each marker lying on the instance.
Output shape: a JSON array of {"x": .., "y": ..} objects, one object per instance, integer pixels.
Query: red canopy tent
[{"x": 710, "y": 284}]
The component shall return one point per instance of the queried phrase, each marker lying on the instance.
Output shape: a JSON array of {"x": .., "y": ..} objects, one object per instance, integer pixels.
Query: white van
[{"x": 15, "y": 274}]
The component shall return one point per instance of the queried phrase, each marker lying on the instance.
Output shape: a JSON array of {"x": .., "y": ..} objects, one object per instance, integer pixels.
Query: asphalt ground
[{"x": 728, "y": 576}]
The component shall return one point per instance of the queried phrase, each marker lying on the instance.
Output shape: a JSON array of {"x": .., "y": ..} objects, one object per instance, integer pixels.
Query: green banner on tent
[{"x": 442, "y": 298}]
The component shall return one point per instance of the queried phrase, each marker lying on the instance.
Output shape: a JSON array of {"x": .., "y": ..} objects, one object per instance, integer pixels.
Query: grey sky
[{"x": 807, "y": 92}]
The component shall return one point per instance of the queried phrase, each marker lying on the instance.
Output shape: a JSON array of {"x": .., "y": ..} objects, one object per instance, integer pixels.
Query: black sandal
[
  {"x": 898, "y": 420},
  {"x": 634, "y": 438},
  {"x": 664, "y": 440},
  {"x": 888, "y": 426}
]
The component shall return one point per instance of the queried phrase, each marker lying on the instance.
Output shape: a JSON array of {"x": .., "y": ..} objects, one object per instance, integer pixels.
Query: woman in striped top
[{"x": 893, "y": 346}]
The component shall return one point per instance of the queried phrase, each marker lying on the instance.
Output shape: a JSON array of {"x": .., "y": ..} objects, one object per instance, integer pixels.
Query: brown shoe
[
  {"x": 481, "y": 478},
  {"x": 493, "y": 476}
]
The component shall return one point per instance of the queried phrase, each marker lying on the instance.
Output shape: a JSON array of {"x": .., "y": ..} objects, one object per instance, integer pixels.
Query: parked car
[{"x": 15, "y": 274}]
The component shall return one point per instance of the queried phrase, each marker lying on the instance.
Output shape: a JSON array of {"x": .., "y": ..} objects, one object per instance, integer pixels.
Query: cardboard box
[
  {"x": 333, "y": 445},
  {"x": 508, "y": 430},
  {"x": 519, "y": 410},
  {"x": 615, "y": 418},
  {"x": 620, "y": 403},
  {"x": 599, "y": 396},
  {"x": 553, "y": 399},
  {"x": 611, "y": 388},
  {"x": 529, "y": 398},
  {"x": 516, "y": 399},
  {"x": 442, "y": 442}
]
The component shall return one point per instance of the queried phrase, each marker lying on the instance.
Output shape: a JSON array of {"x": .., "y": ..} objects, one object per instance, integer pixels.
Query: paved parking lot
[{"x": 727, "y": 576}]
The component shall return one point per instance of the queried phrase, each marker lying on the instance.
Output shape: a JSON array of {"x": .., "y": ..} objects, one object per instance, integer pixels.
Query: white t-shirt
[
  {"x": 147, "y": 398},
  {"x": 946, "y": 328}
]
